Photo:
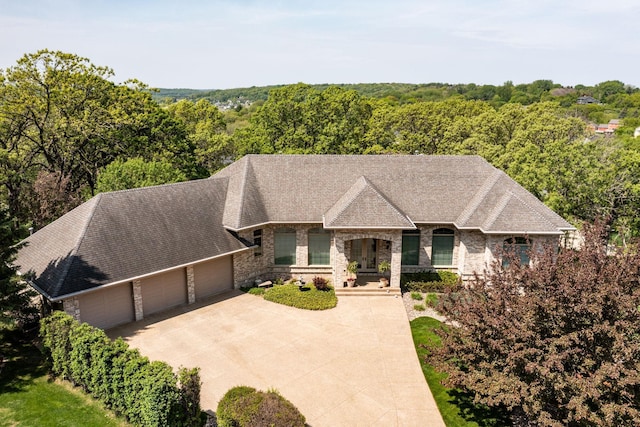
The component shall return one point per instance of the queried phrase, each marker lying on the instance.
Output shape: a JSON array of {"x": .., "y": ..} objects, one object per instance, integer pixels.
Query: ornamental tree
[{"x": 554, "y": 343}]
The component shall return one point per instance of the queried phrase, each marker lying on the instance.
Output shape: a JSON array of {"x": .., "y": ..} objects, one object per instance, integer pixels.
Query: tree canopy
[{"x": 554, "y": 342}]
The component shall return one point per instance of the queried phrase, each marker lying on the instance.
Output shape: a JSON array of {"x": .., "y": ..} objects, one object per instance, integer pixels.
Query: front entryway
[{"x": 365, "y": 252}]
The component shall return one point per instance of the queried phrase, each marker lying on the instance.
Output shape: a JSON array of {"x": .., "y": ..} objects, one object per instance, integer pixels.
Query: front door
[{"x": 365, "y": 252}]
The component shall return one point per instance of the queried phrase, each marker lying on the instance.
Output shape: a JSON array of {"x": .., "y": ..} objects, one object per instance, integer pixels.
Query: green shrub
[
  {"x": 244, "y": 406},
  {"x": 430, "y": 281},
  {"x": 419, "y": 307},
  {"x": 416, "y": 296},
  {"x": 146, "y": 393},
  {"x": 311, "y": 299},
  {"x": 256, "y": 291},
  {"x": 431, "y": 300}
]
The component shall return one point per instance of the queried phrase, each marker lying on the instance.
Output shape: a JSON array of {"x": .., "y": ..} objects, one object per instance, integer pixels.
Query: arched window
[
  {"x": 442, "y": 247},
  {"x": 521, "y": 246},
  {"x": 319, "y": 246},
  {"x": 284, "y": 242}
]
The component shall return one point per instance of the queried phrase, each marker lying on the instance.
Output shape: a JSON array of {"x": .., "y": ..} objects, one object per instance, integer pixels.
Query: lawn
[
  {"x": 29, "y": 397},
  {"x": 456, "y": 408}
]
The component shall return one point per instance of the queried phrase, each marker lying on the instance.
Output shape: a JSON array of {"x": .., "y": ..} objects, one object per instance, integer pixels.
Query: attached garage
[
  {"x": 163, "y": 291},
  {"x": 213, "y": 276},
  {"x": 107, "y": 307}
]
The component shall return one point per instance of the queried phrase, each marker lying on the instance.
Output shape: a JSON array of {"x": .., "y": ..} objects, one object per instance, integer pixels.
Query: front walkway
[{"x": 354, "y": 365}]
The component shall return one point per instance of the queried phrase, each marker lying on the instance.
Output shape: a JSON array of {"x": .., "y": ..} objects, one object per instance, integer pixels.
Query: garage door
[
  {"x": 213, "y": 277},
  {"x": 107, "y": 307},
  {"x": 164, "y": 291}
]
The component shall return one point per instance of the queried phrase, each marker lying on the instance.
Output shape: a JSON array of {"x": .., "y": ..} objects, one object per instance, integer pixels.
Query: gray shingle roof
[
  {"x": 460, "y": 190},
  {"x": 363, "y": 206},
  {"x": 118, "y": 236},
  {"x": 125, "y": 234}
]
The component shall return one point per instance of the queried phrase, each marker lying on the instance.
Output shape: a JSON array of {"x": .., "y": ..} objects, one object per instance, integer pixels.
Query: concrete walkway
[{"x": 354, "y": 365}]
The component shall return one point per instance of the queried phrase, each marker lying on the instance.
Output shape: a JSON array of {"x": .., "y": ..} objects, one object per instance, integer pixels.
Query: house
[
  {"x": 585, "y": 99},
  {"x": 123, "y": 255}
]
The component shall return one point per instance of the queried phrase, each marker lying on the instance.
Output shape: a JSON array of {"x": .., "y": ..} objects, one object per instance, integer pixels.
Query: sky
[{"x": 222, "y": 44}]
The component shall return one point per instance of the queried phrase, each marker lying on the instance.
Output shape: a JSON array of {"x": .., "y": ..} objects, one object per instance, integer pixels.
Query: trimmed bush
[
  {"x": 311, "y": 299},
  {"x": 321, "y": 283},
  {"x": 146, "y": 393},
  {"x": 419, "y": 307},
  {"x": 430, "y": 281},
  {"x": 244, "y": 406},
  {"x": 416, "y": 296}
]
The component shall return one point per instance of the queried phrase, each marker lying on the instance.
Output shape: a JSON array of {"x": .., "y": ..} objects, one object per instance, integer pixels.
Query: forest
[{"x": 68, "y": 132}]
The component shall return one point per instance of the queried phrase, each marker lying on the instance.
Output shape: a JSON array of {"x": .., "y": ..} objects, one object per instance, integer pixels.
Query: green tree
[
  {"x": 136, "y": 173},
  {"x": 62, "y": 114},
  {"x": 15, "y": 295},
  {"x": 554, "y": 343},
  {"x": 206, "y": 130}
]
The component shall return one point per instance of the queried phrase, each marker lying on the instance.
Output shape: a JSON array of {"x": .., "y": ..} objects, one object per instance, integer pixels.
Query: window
[
  {"x": 284, "y": 240},
  {"x": 442, "y": 247},
  {"x": 521, "y": 246},
  {"x": 410, "y": 247},
  {"x": 257, "y": 241},
  {"x": 319, "y": 245}
]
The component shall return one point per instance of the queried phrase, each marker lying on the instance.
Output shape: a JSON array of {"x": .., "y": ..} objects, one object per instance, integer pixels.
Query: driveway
[{"x": 354, "y": 365}]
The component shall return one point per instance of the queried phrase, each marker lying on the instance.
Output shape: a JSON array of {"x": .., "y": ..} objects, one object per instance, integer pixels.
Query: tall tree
[
  {"x": 62, "y": 114},
  {"x": 556, "y": 342},
  {"x": 15, "y": 296}
]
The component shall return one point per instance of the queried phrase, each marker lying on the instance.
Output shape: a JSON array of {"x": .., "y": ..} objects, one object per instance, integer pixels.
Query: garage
[
  {"x": 213, "y": 277},
  {"x": 107, "y": 307},
  {"x": 163, "y": 291}
]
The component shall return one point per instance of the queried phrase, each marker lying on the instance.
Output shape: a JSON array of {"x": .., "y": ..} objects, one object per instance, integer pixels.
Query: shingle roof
[
  {"x": 363, "y": 206},
  {"x": 125, "y": 234},
  {"x": 121, "y": 235},
  {"x": 459, "y": 190}
]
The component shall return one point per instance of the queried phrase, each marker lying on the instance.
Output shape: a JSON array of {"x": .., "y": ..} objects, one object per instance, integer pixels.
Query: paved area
[{"x": 354, "y": 365}]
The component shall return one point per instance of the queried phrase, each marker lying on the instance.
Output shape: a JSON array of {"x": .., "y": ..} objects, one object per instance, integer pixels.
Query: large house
[{"x": 123, "y": 255}]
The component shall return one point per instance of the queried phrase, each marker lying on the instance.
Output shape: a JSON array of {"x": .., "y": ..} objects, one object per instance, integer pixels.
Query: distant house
[
  {"x": 124, "y": 255},
  {"x": 582, "y": 100},
  {"x": 607, "y": 128}
]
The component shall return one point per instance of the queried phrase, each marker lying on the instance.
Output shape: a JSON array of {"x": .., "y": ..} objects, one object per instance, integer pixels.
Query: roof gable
[{"x": 363, "y": 206}]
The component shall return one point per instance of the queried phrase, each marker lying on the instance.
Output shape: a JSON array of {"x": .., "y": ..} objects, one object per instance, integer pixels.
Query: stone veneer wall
[
  {"x": 71, "y": 306},
  {"x": 247, "y": 267}
]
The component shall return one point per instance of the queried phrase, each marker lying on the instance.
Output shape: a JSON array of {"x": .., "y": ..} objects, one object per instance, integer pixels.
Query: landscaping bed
[{"x": 310, "y": 296}]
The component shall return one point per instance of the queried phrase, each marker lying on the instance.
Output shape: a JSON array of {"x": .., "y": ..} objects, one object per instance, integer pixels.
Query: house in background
[{"x": 124, "y": 255}]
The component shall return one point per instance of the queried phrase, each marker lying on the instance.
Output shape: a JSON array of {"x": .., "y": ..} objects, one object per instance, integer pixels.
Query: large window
[
  {"x": 442, "y": 247},
  {"x": 521, "y": 246},
  {"x": 319, "y": 245},
  {"x": 410, "y": 247},
  {"x": 284, "y": 241}
]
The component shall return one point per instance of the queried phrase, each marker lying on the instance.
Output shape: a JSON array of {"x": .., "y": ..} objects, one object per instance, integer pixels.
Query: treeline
[
  {"x": 527, "y": 93},
  {"x": 68, "y": 132}
]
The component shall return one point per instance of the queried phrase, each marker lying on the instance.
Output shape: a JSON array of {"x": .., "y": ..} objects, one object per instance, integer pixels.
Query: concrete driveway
[{"x": 354, "y": 365}]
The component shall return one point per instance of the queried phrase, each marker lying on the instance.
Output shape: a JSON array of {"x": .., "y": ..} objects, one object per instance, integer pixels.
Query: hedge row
[
  {"x": 145, "y": 393},
  {"x": 429, "y": 281}
]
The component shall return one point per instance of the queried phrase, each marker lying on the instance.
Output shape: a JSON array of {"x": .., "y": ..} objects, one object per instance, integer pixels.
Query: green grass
[
  {"x": 416, "y": 296},
  {"x": 456, "y": 408},
  {"x": 28, "y": 397},
  {"x": 308, "y": 298},
  {"x": 431, "y": 299},
  {"x": 419, "y": 307}
]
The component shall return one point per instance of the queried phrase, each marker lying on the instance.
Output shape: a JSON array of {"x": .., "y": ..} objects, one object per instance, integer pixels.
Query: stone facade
[
  {"x": 71, "y": 306},
  {"x": 473, "y": 252},
  {"x": 137, "y": 299},
  {"x": 191, "y": 285}
]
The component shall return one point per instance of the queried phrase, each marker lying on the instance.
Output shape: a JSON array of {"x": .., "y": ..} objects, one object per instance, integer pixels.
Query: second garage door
[
  {"x": 213, "y": 277},
  {"x": 164, "y": 291}
]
